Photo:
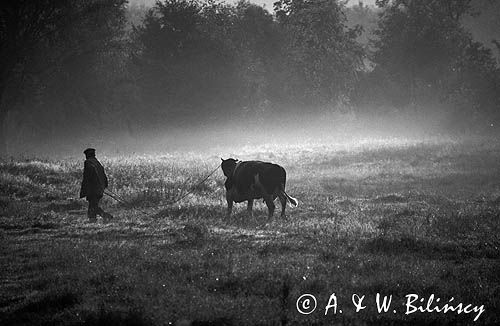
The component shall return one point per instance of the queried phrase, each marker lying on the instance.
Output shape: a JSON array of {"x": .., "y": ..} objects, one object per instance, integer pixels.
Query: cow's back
[{"x": 270, "y": 176}]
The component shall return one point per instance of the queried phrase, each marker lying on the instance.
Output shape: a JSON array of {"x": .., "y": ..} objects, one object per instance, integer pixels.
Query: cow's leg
[
  {"x": 229, "y": 199},
  {"x": 249, "y": 207},
  {"x": 229, "y": 207},
  {"x": 270, "y": 204},
  {"x": 282, "y": 198}
]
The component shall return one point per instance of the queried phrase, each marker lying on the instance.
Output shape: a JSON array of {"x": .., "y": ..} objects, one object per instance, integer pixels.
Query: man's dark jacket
[{"x": 94, "y": 179}]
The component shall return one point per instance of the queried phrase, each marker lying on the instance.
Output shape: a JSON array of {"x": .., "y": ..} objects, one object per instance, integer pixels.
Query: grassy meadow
[{"x": 388, "y": 216}]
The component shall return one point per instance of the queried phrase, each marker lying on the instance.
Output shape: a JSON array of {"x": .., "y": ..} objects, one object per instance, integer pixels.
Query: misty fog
[{"x": 155, "y": 77}]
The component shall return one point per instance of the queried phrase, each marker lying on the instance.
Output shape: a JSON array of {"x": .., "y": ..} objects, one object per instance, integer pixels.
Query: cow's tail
[{"x": 292, "y": 201}]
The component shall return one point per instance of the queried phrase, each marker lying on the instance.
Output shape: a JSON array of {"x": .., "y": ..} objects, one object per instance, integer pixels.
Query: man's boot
[{"x": 92, "y": 214}]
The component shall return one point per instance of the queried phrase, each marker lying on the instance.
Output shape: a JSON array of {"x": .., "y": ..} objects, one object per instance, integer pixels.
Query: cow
[{"x": 249, "y": 180}]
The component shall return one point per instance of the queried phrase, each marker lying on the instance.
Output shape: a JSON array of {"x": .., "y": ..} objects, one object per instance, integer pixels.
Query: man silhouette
[{"x": 93, "y": 184}]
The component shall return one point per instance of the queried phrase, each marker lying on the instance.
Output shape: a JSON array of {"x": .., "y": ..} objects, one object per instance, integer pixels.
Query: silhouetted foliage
[
  {"x": 425, "y": 58},
  {"x": 258, "y": 42},
  {"x": 221, "y": 58},
  {"x": 57, "y": 56},
  {"x": 322, "y": 55},
  {"x": 186, "y": 55},
  {"x": 364, "y": 16},
  {"x": 484, "y": 24}
]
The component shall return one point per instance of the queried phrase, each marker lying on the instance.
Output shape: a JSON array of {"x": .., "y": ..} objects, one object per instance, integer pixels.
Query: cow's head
[{"x": 228, "y": 166}]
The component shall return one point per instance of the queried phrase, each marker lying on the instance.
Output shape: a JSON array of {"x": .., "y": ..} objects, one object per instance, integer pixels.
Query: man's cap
[{"x": 89, "y": 151}]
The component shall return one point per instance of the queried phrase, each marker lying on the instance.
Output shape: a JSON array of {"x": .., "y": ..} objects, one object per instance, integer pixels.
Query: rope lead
[{"x": 120, "y": 199}]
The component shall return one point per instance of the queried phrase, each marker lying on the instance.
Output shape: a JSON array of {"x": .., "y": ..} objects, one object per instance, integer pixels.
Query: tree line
[{"x": 87, "y": 63}]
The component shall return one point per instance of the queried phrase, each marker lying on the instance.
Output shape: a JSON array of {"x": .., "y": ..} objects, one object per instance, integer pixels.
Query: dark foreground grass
[{"x": 395, "y": 218}]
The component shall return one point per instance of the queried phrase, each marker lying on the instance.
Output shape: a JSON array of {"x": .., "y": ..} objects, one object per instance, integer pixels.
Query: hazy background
[{"x": 146, "y": 76}]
